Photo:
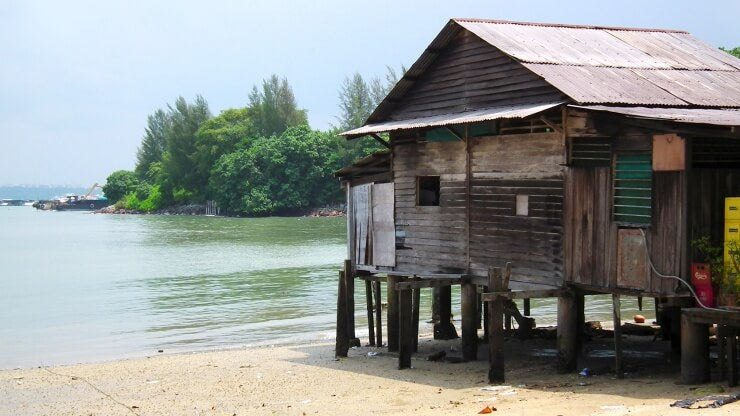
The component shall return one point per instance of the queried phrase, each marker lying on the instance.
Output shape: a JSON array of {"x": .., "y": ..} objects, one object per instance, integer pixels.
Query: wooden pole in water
[
  {"x": 617, "y": 309},
  {"x": 342, "y": 343},
  {"x": 469, "y": 311},
  {"x": 405, "y": 330},
  {"x": 378, "y": 315},
  {"x": 495, "y": 329},
  {"x": 567, "y": 333},
  {"x": 392, "y": 313},
  {"x": 370, "y": 315}
]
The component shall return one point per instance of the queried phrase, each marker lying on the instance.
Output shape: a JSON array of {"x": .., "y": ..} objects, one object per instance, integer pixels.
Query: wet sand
[{"x": 307, "y": 380}]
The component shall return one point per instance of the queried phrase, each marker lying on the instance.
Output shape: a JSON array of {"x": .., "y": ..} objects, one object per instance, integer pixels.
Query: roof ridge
[{"x": 572, "y": 26}]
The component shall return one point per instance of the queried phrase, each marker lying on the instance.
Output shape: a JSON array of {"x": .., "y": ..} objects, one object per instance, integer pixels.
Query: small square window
[
  {"x": 427, "y": 191},
  {"x": 522, "y": 205}
]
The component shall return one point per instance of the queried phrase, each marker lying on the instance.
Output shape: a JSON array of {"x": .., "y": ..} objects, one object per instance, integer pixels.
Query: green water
[{"x": 82, "y": 287}]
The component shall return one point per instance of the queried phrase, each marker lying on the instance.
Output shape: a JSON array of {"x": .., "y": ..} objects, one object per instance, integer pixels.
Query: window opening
[
  {"x": 428, "y": 191},
  {"x": 633, "y": 189}
]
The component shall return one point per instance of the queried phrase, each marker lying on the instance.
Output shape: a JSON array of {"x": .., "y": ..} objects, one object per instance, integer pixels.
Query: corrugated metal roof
[
  {"x": 495, "y": 113},
  {"x": 717, "y": 117},
  {"x": 601, "y": 46},
  {"x": 599, "y": 65},
  {"x": 619, "y": 65}
]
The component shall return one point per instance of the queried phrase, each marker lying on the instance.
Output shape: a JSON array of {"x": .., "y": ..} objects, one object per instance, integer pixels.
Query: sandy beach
[{"x": 306, "y": 380}]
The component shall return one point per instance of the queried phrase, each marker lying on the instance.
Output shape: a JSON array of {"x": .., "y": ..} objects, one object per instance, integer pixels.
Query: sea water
[{"x": 84, "y": 287}]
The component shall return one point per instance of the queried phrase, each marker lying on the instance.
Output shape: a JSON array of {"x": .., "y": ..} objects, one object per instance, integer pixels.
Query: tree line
[{"x": 261, "y": 159}]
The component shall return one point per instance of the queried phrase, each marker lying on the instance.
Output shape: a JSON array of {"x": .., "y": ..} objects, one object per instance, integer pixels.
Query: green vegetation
[
  {"x": 262, "y": 159},
  {"x": 734, "y": 52}
]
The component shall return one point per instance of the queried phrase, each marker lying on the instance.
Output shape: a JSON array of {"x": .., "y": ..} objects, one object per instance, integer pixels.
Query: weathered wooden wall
[
  {"x": 591, "y": 234},
  {"x": 503, "y": 167},
  {"x": 435, "y": 236},
  {"x": 471, "y": 74}
]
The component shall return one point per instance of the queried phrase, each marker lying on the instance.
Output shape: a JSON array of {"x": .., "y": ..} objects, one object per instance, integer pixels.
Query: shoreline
[
  {"x": 200, "y": 210},
  {"x": 306, "y": 379}
]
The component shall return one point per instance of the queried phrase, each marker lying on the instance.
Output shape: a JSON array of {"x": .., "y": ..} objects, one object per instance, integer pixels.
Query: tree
[
  {"x": 274, "y": 108},
  {"x": 119, "y": 183},
  {"x": 153, "y": 143},
  {"x": 179, "y": 167},
  {"x": 277, "y": 175},
  {"x": 219, "y": 136},
  {"x": 355, "y": 102},
  {"x": 734, "y": 52}
]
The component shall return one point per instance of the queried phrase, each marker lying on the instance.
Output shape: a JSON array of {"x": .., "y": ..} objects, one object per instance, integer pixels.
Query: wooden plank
[
  {"x": 523, "y": 294},
  {"x": 418, "y": 284},
  {"x": 349, "y": 276},
  {"x": 383, "y": 229}
]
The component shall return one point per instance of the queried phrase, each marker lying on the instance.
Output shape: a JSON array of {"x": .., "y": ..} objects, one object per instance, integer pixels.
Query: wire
[{"x": 691, "y": 289}]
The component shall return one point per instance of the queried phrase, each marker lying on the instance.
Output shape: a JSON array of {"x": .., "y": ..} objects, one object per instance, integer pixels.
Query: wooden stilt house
[{"x": 578, "y": 155}]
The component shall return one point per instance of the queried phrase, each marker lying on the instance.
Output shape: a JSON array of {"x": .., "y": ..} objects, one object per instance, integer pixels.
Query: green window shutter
[{"x": 633, "y": 189}]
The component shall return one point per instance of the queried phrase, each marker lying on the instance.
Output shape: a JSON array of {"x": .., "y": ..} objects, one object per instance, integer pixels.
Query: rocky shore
[{"x": 200, "y": 209}]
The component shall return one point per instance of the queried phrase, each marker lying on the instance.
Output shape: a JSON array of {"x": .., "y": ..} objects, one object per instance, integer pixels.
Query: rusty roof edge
[
  {"x": 443, "y": 38},
  {"x": 451, "y": 119},
  {"x": 562, "y": 25},
  {"x": 680, "y": 114}
]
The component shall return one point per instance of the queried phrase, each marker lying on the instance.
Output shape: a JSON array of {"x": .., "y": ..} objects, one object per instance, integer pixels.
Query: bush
[
  {"x": 120, "y": 183},
  {"x": 153, "y": 201},
  {"x": 131, "y": 201}
]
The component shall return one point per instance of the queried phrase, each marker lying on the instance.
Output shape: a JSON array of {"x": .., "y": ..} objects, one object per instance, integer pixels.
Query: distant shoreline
[{"x": 200, "y": 210}]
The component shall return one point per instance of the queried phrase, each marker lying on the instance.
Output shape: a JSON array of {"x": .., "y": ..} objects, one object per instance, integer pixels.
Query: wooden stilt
[
  {"x": 469, "y": 311},
  {"x": 392, "y": 313},
  {"x": 350, "y": 278},
  {"x": 405, "y": 329},
  {"x": 443, "y": 327},
  {"x": 567, "y": 333},
  {"x": 370, "y": 312},
  {"x": 581, "y": 324},
  {"x": 486, "y": 316},
  {"x": 694, "y": 352},
  {"x": 342, "y": 342},
  {"x": 415, "y": 318},
  {"x": 378, "y": 315},
  {"x": 495, "y": 329},
  {"x": 617, "y": 311},
  {"x": 732, "y": 356},
  {"x": 507, "y": 321},
  {"x": 527, "y": 307}
]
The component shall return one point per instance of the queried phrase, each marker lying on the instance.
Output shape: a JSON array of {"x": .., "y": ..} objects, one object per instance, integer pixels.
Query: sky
[{"x": 78, "y": 78}]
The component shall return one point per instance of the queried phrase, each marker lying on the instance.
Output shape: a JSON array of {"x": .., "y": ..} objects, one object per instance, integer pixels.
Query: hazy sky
[{"x": 78, "y": 78}]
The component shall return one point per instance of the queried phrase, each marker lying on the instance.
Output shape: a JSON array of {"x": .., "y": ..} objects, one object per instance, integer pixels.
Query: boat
[{"x": 72, "y": 202}]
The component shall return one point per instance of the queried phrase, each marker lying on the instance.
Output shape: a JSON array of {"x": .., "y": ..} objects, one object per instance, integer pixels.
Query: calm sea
[{"x": 82, "y": 287}]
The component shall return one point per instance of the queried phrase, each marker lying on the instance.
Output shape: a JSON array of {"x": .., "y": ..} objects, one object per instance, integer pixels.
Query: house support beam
[
  {"x": 567, "y": 333},
  {"x": 442, "y": 313},
  {"x": 617, "y": 310},
  {"x": 392, "y": 313},
  {"x": 495, "y": 328},
  {"x": 469, "y": 312}
]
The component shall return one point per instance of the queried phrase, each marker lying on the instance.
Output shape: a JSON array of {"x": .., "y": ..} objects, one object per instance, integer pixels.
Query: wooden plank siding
[
  {"x": 471, "y": 74},
  {"x": 435, "y": 236},
  {"x": 503, "y": 167}
]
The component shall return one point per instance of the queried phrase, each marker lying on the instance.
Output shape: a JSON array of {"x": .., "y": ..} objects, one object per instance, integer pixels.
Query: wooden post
[
  {"x": 378, "y": 315},
  {"x": 694, "y": 352},
  {"x": 350, "y": 278},
  {"x": 392, "y": 313},
  {"x": 617, "y": 310},
  {"x": 405, "y": 329},
  {"x": 732, "y": 357},
  {"x": 469, "y": 311},
  {"x": 495, "y": 329},
  {"x": 567, "y": 333},
  {"x": 342, "y": 343},
  {"x": 370, "y": 312},
  {"x": 415, "y": 318},
  {"x": 527, "y": 308},
  {"x": 443, "y": 327},
  {"x": 581, "y": 324}
]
